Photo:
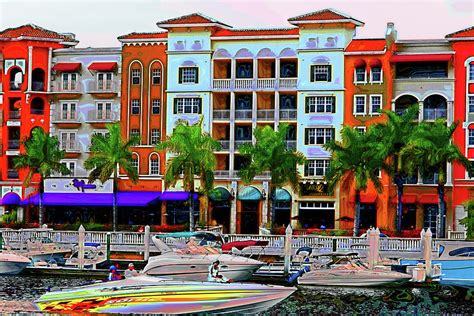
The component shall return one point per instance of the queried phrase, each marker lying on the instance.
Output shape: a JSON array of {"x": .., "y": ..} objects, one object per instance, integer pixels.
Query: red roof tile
[
  {"x": 31, "y": 30},
  {"x": 136, "y": 35},
  {"x": 193, "y": 18},
  {"x": 468, "y": 32},
  {"x": 256, "y": 32},
  {"x": 323, "y": 15},
  {"x": 366, "y": 45}
]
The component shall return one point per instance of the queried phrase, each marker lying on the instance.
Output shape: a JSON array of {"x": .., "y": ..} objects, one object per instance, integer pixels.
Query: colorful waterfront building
[
  {"x": 462, "y": 43},
  {"x": 369, "y": 89},
  {"x": 25, "y": 86}
]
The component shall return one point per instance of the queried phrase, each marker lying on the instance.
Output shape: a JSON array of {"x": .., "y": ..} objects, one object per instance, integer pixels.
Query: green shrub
[{"x": 468, "y": 221}]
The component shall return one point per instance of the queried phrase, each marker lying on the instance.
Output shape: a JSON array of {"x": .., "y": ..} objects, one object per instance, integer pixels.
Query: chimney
[{"x": 390, "y": 34}]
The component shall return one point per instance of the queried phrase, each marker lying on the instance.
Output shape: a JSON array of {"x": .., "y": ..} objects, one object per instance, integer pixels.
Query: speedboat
[
  {"x": 93, "y": 256},
  {"x": 192, "y": 264},
  {"x": 11, "y": 263},
  {"x": 338, "y": 269},
  {"x": 147, "y": 295}
]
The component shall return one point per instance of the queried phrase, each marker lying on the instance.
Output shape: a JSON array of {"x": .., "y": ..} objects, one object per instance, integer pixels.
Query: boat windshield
[{"x": 462, "y": 252}]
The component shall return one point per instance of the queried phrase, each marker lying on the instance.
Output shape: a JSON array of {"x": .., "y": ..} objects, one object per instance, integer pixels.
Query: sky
[{"x": 98, "y": 23}]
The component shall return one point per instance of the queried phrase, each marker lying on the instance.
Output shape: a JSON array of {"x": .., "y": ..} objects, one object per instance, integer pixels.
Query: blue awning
[
  {"x": 11, "y": 198},
  {"x": 219, "y": 194},
  {"x": 249, "y": 194},
  {"x": 281, "y": 195},
  {"x": 176, "y": 196}
]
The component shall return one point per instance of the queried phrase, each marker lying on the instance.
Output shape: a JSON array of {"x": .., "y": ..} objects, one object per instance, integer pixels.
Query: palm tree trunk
[
  {"x": 114, "y": 202},
  {"x": 442, "y": 211},
  {"x": 40, "y": 203},
  {"x": 357, "y": 214},
  {"x": 398, "y": 220}
]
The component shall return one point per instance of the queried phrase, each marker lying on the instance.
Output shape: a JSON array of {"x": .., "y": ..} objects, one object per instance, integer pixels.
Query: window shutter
[
  {"x": 197, "y": 75},
  {"x": 306, "y": 173},
  {"x": 329, "y": 73},
  {"x": 306, "y": 136},
  {"x": 333, "y": 100},
  {"x": 199, "y": 105},
  {"x": 175, "y": 100},
  {"x": 312, "y": 78},
  {"x": 180, "y": 76},
  {"x": 306, "y": 100}
]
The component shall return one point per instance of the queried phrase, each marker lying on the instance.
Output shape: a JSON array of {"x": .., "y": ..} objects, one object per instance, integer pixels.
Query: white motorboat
[
  {"x": 93, "y": 256},
  {"x": 194, "y": 266},
  {"x": 338, "y": 269},
  {"x": 151, "y": 295},
  {"x": 11, "y": 263}
]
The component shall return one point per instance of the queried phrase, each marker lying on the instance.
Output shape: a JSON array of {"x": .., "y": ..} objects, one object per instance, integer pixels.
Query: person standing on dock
[{"x": 130, "y": 272}]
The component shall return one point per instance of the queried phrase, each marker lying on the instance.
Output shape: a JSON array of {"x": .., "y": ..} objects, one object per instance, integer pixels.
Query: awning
[
  {"x": 219, "y": 194},
  {"x": 359, "y": 63},
  {"x": 176, "y": 196},
  {"x": 103, "y": 66},
  {"x": 67, "y": 67},
  {"x": 249, "y": 194},
  {"x": 281, "y": 195},
  {"x": 429, "y": 199},
  {"x": 368, "y": 197},
  {"x": 420, "y": 57},
  {"x": 11, "y": 198},
  {"x": 406, "y": 199},
  {"x": 375, "y": 62},
  {"x": 138, "y": 198}
]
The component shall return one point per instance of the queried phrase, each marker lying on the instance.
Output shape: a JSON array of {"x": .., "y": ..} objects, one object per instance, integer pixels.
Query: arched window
[
  {"x": 135, "y": 162},
  {"x": 154, "y": 164},
  {"x": 404, "y": 102},
  {"x": 37, "y": 77},
  {"x": 434, "y": 107},
  {"x": 37, "y": 106},
  {"x": 16, "y": 79}
]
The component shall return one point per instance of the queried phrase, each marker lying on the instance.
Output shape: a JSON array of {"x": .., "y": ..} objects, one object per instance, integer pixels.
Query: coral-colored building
[
  {"x": 462, "y": 43},
  {"x": 25, "y": 84}
]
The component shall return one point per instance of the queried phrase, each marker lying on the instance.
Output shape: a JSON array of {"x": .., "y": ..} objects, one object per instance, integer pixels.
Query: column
[
  {"x": 420, "y": 115},
  {"x": 30, "y": 66},
  {"x": 450, "y": 113},
  {"x": 449, "y": 173},
  {"x": 233, "y": 208},
  {"x": 232, "y": 69},
  {"x": 254, "y": 113},
  {"x": 265, "y": 204},
  {"x": 277, "y": 109},
  {"x": 48, "y": 82},
  {"x": 232, "y": 133}
]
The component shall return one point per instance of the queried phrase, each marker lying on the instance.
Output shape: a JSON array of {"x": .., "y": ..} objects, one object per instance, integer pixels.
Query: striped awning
[
  {"x": 249, "y": 194},
  {"x": 281, "y": 195}
]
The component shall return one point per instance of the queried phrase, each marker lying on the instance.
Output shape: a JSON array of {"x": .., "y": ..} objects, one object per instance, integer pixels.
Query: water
[{"x": 421, "y": 300}]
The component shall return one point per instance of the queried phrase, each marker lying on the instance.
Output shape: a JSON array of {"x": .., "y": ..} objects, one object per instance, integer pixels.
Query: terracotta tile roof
[
  {"x": 256, "y": 32},
  {"x": 145, "y": 35},
  {"x": 366, "y": 45},
  {"x": 193, "y": 18},
  {"x": 31, "y": 30},
  {"x": 468, "y": 32},
  {"x": 324, "y": 15}
]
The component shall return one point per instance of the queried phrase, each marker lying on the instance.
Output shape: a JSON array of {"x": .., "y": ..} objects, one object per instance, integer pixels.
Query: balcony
[
  {"x": 287, "y": 83},
  {"x": 102, "y": 87},
  {"x": 221, "y": 115},
  {"x": 266, "y": 115},
  {"x": 288, "y": 115},
  {"x": 266, "y": 83},
  {"x": 12, "y": 174},
  {"x": 264, "y": 175},
  {"x": 222, "y": 173},
  {"x": 433, "y": 114},
  {"x": 225, "y": 145},
  {"x": 66, "y": 87},
  {"x": 15, "y": 86},
  {"x": 102, "y": 117},
  {"x": 221, "y": 84},
  {"x": 291, "y": 144},
  {"x": 14, "y": 115},
  {"x": 239, "y": 143},
  {"x": 65, "y": 117},
  {"x": 37, "y": 86},
  {"x": 13, "y": 144},
  {"x": 243, "y": 115},
  {"x": 243, "y": 84},
  {"x": 70, "y": 147},
  {"x": 37, "y": 111}
]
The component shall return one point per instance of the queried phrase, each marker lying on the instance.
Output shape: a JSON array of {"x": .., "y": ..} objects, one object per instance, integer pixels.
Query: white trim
[
  {"x": 466, "y": 175},
  {"x": 159, "y": 163},
  {"x": 370, "y": 103},
  {"x": 381, "y": 76},
  {"x": 69, "y": 161},
  {"x": 68, "y": 102},
  {"x": 316, "y": 103},
  {"x": 354, "y": 105},
  {"x": 188, "y": 83},
  {"x": 375, "y": 52},
  {"x": 349, "y": 20},
  {"x": 129, "y": 85},
  {"x": 104, "y": 109},
  {"x": 162, "y": 98},
  {"x": 259, "y": 37},
  {"x": 355, "y": 76},
  {"x": 191, "y": 25},
  {"x": 138, "y": 159}
]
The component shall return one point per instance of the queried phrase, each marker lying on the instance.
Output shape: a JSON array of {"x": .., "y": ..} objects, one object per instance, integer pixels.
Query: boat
[
  {"x": 11, "y": 263},
  {"x": 192, "y": 263},
  {"x": 43, "y": 249},
  {"x": 457, "y": 262},
  {"x": 346, "y": 269},
  {"x": 146, "y": 295},
  {"x": 93, "y": 256}
]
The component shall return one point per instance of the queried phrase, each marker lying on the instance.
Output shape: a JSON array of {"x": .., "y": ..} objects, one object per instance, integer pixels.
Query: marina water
[{"x": 426, "y": 299}]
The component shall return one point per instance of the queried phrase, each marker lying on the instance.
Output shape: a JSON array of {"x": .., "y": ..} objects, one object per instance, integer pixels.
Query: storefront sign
[
  {"x": 76, "y": 185},
  {"x": 314, "y": 189}
]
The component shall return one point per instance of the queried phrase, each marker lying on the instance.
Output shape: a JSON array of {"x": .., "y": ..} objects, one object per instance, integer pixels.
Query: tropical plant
[
  {"x": 390, "y": 137},
  {"x": 428, "y": 150},
  {"x": 193, "y": 155},
  {"x": 270, "y": 153},
  {"x": 468, "y": 221},
  {"x": 108, "y": 153},
  {"x": 42, "y": 156},
  {"x": 355, "y": 160}
]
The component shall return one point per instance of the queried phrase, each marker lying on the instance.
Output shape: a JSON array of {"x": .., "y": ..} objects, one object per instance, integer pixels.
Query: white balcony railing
[
  {"x": 221, "y": 115},
  {"x": 243, "y": 84},
  {"x": 65, "y": 117},
  {"x": 433, "y": 114},
  {"x": 102, "y": 86},
  {"x": 288, "y": 83},
  {"x": 243, "y": 114},
  {"x": 288, "y": 115},
  {"x": 266, "y": 115},
  {"x": 291, "y": 144},
  {"x": 70, "y": 147},
  {"x": 102, "y": 117},
  {"x": 222, "y": 173},
  {"x": 266, "y": 83},
  {"x": 66, "y": 87},
  {"x": 221, "y": 84}
]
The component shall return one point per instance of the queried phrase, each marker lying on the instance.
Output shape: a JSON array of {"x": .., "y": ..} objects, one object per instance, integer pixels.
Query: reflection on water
[{"x": 426, "y": 299}]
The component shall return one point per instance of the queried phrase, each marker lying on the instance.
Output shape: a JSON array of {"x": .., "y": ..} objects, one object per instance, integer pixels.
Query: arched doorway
[
  {"x": 37, "y": 80},
  {"x": 281, "y": 207},
  {"x": 220, "y": 201},
  {"x": 37, "y": 106},
  {"x": 249, "y": 198},
  {"x": 435, "y": 107},
  {"x": 404, "y": 102},
  {"x": 16, "y": 79}
]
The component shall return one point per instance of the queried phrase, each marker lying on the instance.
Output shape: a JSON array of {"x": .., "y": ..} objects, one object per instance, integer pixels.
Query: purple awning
[
  {"x": 176, "y": 196},
  {"x": 11, "y": 198}
]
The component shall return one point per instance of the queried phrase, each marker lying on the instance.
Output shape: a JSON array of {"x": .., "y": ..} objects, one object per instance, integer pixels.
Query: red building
[
  {"x": 25, "y": 81},
  {"x": 463, "y": 44}
]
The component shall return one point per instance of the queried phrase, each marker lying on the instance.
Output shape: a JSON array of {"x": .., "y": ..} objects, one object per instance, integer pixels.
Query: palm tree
[
  {"x": 390, "y": 138},
  {"x": 43, "y": 156},
  {"x": 468, "y": 221},
  {"x": 429, "y": 149},
  {"x": 193, "y": 152},
  {"x": 355, "y": 160},
  {"x": 107, "y": 154},
  {"x": 271, "y": 153}
]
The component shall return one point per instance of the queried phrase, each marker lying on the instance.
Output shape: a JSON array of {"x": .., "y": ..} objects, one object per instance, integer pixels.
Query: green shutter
[
  {"x": 197, "y": 75},
  {"x": 180, "y": 76},
  {"x": 306, "y": 136},
  {"x": 329, "y": 73},
  {"x": 311, "y": 74},
  {"x": 175, "y": 100}
]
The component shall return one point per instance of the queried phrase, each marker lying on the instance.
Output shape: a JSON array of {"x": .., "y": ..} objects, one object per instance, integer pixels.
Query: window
[
  {"x": 155, "y": 136},
  {"x": 471, "y": 104},
  {"x": 154, "y": 164},
  {"x": 68, "y": 111},
  {"x": 135, "y": 132},
  {"x": 135, "y": 106},
  {"x": 471, "y": 137},
  {"x": 376, "y": 74},
  {"x": 67, "y": 141},
  {"x": 360, "y": 129},
  {"x": 104, "y": 132},
  {"x": 155, "y": 106},
  {"x": 69, "y": 81},
  {"x": 104, "y": 110},
  {"x": 134, "y": 162},
  {"x": 104, "y": 81},
  {"x": 320, "y": 73},
  {"x": 156, "y": 76},
  {"x": 433, "y": 69},
  {"x": 187, "y": 105},
  {"x": 375, "y": 104},
  {"x": 318, "y": 136},
  {"x": 320, "y": 104},
  {"x": 71, "y": 165},
  {"x": 188, "y": 75},
  {"x": 316, "y": 167},
  {"x": 471, "y": 71},
  {"x": 360, "y": 73},
  {"x": 136, "y": 74},
  {"x": 359, "y": 104},
  {"x": 470, "y": 173}
]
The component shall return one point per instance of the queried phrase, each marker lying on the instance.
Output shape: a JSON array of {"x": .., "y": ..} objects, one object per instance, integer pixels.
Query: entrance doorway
[
  {"x": 409, "y": 217},
  {"x": 249, "y": 217},
  {"x": 221, "y": 214},
  {"x": 430, "y": 216},
  {"x": 368, "y": 215}
]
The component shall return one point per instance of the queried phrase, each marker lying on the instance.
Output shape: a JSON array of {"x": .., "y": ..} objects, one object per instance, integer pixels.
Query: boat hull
[
  {"x": 153, "y": 295},
  {"x": 352, "y": 278},
  {"x": 12, "y": 267},
  {"x": 454, "y": 272}
]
